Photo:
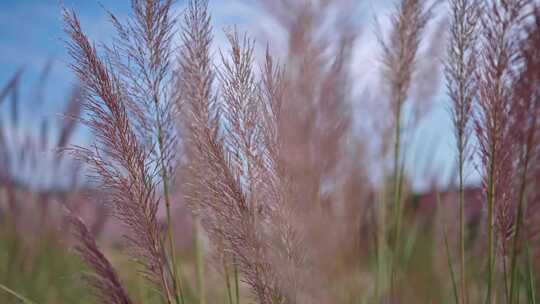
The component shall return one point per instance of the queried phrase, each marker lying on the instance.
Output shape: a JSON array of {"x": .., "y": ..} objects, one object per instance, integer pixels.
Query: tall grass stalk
[
  {"x": 233, "y": 297},
  {"x": 382, "y": 250},
  {"x": 500, "y": 49},
  {"x": 459, "y": 70},
  {"x": 177, "y": 284},
  {"x": 462, "y": 232},
  {"x": 179, "y": 296},
  {"x": 525, "y": 113},
  {"x": 122, "y": 89},
  {"x": 397, "y": 177},
  {"x": 531, "y": 288},
  {"x": 491, "y": 232},
  {"x": 236, "y": 281},
  {"x": 228, "y": 282},
  {"x": 518, "y": 223},
  {"x": 199, "y": 260},
  {"x": 399, "y": 61}
]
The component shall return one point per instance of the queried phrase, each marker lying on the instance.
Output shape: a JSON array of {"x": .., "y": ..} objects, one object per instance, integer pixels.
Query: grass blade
[
  {"x": 16, "y": 295},
  {"x": 447, "y": 249},
  {"x": 531, "y": 298}
]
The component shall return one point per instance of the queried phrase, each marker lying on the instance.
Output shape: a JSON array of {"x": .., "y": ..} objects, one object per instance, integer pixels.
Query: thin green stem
[
  {"x": 163, "y": 277},
  {"x": 450, "y": 267},
  {"x": 397, "y": 195},
  {"x": 505, "y": 278},
  {"x": 16, "y": 295},
  {"x": 531, "y": 289},
  {"x": 199, "y": 261},
  {"x": 462, "y": 226},
  {"x": 178, "y": 293},
  {"x": 397, "y": 177},
  {"x": 491, "y": 236},
  {"x": 381, "y": 249},
  {"x": 236, "y": 281},
  {"x": 449, "y": 259},
  {"x": 518, "y": 223},
  {"x": 227, "y": 282}
]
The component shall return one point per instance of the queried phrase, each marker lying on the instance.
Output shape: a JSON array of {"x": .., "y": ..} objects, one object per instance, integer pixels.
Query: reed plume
[
  {"x": 104, "y": 280},
  {"x": 143, "y": 55},
  {"x": 320, "y": 146},
  {"x": 525, "y": 114},
  {"x": 460, "y": 67},
  {"x": 122, "y": 164},
  {"x": 528, "y": 96},
  {"x": 316, "y": 121},
  {"x": 232, "y": 148},
  {"x": 399, "y": 60},
  {"x": 499, "y": 48}
]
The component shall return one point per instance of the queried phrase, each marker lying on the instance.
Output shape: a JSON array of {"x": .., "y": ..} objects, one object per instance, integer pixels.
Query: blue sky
[{"x": 31, "y": 34}]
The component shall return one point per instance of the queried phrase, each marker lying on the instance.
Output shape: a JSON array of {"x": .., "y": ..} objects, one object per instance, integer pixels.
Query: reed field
[{"x": 278, "y": 163}]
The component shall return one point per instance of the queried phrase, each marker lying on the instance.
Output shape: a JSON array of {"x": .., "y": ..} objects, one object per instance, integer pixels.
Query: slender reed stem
[
  {"x": 397, "y": 175},
  {"x": 397, "y": 197},
  {"x": 228, "y": 282},
  {"x": 462, "y": 227},
  {"x": 531, "y": 289},
  {"x": 491, "y": 236},
  {"x": 177, "y": 285},
  {"x": 449, "y": 258},
  {"x": 381, "y": 249},
  {"x": 16, "y": 295},
  {"x": 199, "y": 261},
  {"x": 518, "y": 223},
  {"x": 236, "y": 281},
  {"x": 461, "y": 84},
  {"x": 505, "y": 278},
  {"x": 450, "y": 268}
]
